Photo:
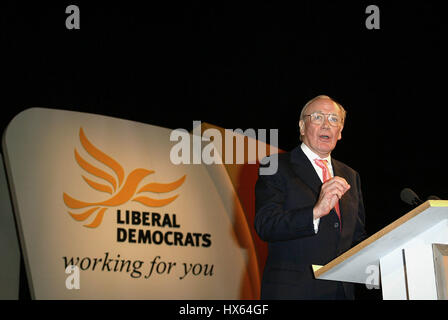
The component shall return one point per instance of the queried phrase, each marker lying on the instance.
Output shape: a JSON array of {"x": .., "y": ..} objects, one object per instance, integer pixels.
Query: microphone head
[{"x": 410, "y": 197}]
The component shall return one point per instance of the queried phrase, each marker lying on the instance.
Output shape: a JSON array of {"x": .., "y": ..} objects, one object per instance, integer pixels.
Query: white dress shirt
[{"x": 312, "y": 156}]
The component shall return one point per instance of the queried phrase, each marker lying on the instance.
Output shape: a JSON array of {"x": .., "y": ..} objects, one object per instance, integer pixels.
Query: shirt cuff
[{"x": 316, "y": 224}]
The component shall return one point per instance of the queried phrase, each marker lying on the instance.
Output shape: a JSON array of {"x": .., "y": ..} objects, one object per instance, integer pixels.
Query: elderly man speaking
[{"x": 311, "y": 210}]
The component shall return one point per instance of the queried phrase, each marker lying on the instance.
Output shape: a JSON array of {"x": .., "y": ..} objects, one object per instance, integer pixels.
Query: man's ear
[
  {"x": 302, "y": 127},
  {"x": 340, "y": 133}
]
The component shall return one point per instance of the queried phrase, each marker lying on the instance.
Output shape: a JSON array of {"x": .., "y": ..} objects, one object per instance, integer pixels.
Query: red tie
[{"x": 323, "y": 164}]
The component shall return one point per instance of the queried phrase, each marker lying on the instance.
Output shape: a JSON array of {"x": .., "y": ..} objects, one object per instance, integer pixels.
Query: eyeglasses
[{"x": 318, "y": 118}]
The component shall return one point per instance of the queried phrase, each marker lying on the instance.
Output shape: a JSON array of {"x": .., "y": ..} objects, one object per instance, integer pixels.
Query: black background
[{"x": 248, "y": 65}]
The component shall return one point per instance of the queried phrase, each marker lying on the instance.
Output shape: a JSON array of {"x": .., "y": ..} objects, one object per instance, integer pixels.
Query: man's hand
[{"x": 330, "y": 193}]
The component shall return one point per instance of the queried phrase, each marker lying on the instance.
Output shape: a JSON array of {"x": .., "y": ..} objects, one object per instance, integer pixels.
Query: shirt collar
[{"x": 312, "y": 156}]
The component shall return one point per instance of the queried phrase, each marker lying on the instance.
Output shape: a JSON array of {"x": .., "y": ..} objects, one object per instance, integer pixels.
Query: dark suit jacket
[{"x": 284, "y": 218}]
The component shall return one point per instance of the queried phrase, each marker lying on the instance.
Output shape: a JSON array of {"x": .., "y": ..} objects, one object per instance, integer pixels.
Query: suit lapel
[
  {"x": 303, "y": 168},
  {"x": 343, "y": 202},
  {"x": 337, "y": 171}
]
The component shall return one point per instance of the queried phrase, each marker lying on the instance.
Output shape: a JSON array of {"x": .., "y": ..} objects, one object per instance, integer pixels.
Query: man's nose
[{"x": 325, "y": 123}]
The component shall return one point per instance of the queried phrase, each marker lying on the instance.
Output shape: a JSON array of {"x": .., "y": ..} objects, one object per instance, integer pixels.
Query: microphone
[{"x": 410, "y": 197}]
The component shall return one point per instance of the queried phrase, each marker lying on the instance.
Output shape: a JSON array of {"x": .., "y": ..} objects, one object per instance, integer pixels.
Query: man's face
[{"x": 321, "y": 138}]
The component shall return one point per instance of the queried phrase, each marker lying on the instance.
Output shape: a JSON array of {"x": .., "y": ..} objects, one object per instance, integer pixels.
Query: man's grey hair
[{"x": 341, "y": 108}]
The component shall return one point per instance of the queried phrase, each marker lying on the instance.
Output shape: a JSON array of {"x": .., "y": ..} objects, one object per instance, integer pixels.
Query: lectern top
[{"x": 351, "y": 266}]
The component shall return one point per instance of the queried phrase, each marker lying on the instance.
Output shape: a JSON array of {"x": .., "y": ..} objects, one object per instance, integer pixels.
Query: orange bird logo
[{"x": 121, "y": 190}]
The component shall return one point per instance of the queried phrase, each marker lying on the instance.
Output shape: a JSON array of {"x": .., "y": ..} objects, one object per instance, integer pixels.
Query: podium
[{"x": 408, "y": 258}]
